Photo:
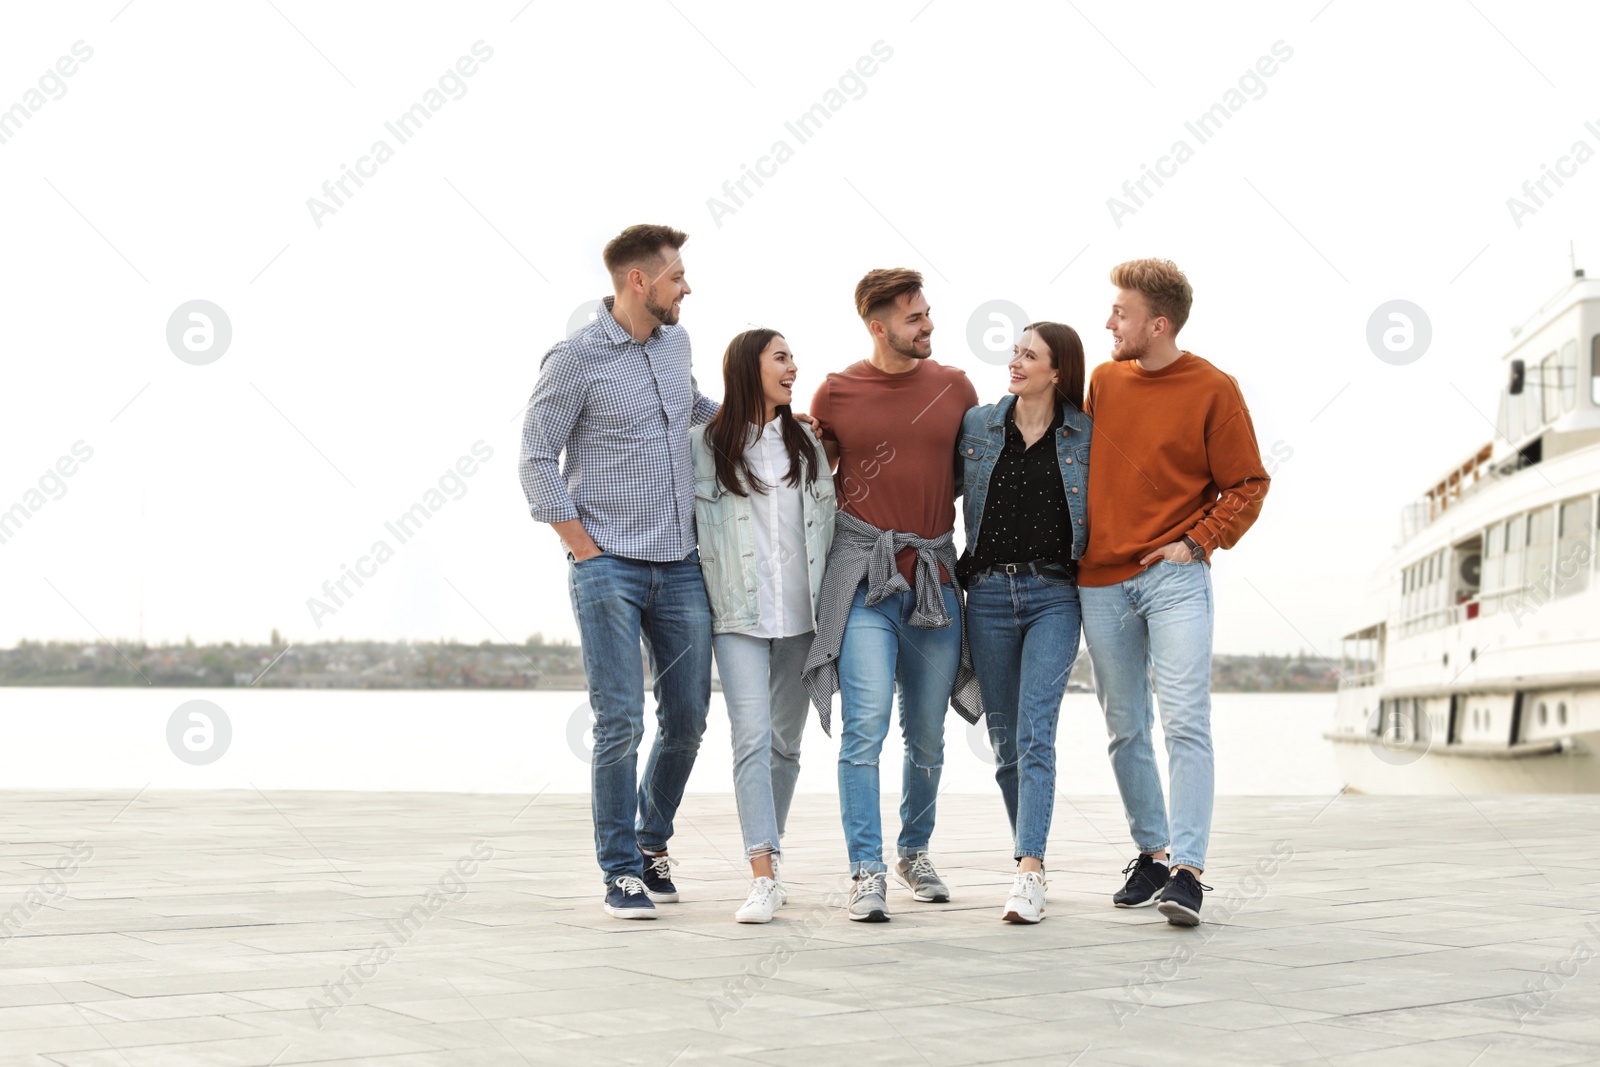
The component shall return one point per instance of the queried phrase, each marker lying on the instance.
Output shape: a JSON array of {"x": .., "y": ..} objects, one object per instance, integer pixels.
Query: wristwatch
[{"x": 1195, "y": 548}]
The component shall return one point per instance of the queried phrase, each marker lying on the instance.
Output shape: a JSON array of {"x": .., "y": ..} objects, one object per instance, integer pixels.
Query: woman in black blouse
[{"x": 1025, "y": 467}]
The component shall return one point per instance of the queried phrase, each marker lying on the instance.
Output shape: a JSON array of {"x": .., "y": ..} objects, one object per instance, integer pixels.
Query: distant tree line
[{"x": 444, "y": 664}]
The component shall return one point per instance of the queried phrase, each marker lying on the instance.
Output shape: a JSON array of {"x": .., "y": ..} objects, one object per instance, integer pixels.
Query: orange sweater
[{"x": 1173, "y": 453}]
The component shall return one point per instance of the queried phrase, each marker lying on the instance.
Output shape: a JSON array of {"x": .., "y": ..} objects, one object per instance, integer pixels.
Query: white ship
[{"x": 1483, "y": 674}]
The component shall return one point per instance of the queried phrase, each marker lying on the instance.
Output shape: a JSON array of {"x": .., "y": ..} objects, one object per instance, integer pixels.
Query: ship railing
[
  {"x": 1361, "y": 657},
  {"x": 1438, "y": 618},
  {"x": 1456, "y": 485},
  {"x": 1358, "y": 679}
]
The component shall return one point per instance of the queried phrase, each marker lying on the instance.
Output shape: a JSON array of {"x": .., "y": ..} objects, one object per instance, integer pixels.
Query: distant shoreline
[{"x": 445, "y": 665}]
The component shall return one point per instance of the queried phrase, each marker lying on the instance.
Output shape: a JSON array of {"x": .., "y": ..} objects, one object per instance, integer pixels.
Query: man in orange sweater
[{"x": 1176, "y": 476}]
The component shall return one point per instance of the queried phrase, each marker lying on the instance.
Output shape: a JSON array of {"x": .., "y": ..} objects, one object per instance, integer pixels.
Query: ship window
[
  {"x": 1544, "y": 713},
  {"x": 1538, "y": 566},
  {"x": 1549, "y": 388},
  {"x": 1569, "y": 375},
  {"x": 1475, "y": 719},
  {"x": 1488, "y": 719},
  {"x": 1516, "y": 546},
  {"x": 1561, "y": 713},
  {"x": 1594, "y": 369},
  {"x": 1493, "y": 568},
  {"x": 1572, "y": 552},
  {"x": 1531, "y": 399}
]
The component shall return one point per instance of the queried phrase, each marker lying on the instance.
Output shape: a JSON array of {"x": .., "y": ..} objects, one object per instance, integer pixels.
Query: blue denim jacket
[{"x": 983, "y": 435}]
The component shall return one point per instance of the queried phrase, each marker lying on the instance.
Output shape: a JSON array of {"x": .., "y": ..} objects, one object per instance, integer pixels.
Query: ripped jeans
[{"x": 881, "y": 648}]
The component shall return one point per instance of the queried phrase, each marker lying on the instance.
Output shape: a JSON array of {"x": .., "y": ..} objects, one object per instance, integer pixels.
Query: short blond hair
[{"x": 1164, "y": 286}]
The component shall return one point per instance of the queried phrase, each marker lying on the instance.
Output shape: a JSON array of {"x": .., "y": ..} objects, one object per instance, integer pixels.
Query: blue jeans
[
  {"x": 882, "y": 648},
  {"x": 1158, "y": 624},
  {"x": 1023, "y": 632},
  {"x": 767, "y": 709},
  {"x": 617, "y": 602}
]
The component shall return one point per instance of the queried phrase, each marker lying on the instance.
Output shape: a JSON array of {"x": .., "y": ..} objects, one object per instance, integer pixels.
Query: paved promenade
[{"x": 244, "y": 929}]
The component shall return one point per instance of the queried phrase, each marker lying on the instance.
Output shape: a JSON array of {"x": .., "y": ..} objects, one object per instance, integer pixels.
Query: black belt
[{"x": 1039, "y": 568}]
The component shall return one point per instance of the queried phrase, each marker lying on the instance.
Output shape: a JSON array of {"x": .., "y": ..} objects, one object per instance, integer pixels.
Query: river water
[{"x": 522, "y": 742}]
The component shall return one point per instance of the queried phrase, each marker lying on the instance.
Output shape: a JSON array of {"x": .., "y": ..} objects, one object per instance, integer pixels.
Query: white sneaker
[
  {"x": 766, "y": 897},
  {"x": 1026, "y": 903}
]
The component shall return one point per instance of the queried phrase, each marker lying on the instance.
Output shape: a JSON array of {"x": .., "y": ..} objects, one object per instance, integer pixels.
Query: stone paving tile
[
  {"x": 248, "y": 1052},
  {"x": 1436, "y": 1022},
  {"x": 1283, "y": 1043},
  {"x": 475, "y": 1032},
  {"x": 24, "y": 993},
  {"x": 54, "y": 1039},
  {"x": 1485, "y": 1050},
  {"x": 234, "y": 929},
  {"x": 1059, "y": 1043},
  {"x": 1252, "y": 1014}
]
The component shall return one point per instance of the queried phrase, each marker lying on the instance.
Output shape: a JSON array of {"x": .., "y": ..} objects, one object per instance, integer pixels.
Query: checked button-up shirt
[{"x": 606, "y": 439}]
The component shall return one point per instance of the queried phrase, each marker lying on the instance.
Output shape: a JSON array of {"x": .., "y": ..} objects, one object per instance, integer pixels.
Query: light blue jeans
[
  {"x": 1023, "y": 632},
  {"x": 881, "y": 650},
  {"x": 767, "y": 709},
  {"x": 1156, "y": 627}
]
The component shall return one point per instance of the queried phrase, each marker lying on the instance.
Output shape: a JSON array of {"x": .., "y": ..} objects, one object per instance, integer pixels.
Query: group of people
[{"x": 814, "y": 555}]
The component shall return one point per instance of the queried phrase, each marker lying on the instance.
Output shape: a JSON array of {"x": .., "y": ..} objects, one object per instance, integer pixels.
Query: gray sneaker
[
  {"x": 916, "y": 873},
  {"x": 867, "y": 898}
]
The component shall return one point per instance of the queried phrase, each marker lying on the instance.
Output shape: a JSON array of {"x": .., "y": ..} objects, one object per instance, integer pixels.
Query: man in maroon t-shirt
[{"x": 891, "y": 423}]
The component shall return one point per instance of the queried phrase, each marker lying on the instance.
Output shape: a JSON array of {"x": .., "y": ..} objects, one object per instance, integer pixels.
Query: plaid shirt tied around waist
[{"x": 862, "y": 551}]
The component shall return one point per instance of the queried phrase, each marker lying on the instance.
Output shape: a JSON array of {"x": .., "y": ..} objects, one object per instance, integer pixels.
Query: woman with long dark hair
[
  {"x": 1025, "y": 468},
  {"x": 764, "y": 507}
]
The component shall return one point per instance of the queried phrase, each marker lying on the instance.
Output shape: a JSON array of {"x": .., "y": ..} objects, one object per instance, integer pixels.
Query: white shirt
[{"x": 780, "y": 536}]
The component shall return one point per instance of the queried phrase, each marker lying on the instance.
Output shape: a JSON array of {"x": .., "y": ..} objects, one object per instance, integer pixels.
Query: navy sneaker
[
  {"x": 626, "y": 899},
  {"x": 1146, "y": 879},
  {"x": 1180, "y": 901},
  {"x": 658, "y": 878}
]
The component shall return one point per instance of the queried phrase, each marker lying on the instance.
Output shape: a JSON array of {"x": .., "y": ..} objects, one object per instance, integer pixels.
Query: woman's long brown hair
[
  {"x": 1066, "y": 359},
  {"x": 743, "y": 405}
]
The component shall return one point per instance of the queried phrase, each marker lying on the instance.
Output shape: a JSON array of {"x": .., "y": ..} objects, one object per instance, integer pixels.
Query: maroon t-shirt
[{"x": 897, "y": 446}]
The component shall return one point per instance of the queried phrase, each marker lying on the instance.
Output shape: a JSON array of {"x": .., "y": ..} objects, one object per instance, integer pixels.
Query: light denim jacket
[
  {"x": 728, "y": 540},
  {"x": 983, "y": 435}
]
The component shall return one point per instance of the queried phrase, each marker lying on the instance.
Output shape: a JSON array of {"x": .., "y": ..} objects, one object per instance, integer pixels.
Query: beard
[
  {"x": 665, "y": 314},
  {"x": 907, "y": 347},
  {"x": 1129, "y": 349}
]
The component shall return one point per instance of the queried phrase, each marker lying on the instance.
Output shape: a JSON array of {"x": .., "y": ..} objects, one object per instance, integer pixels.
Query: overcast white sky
[{"x": 370, "y": 353}]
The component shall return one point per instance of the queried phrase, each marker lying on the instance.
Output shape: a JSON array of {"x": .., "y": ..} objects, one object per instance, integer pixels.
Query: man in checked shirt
[{"x": 618, "y": 399}]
